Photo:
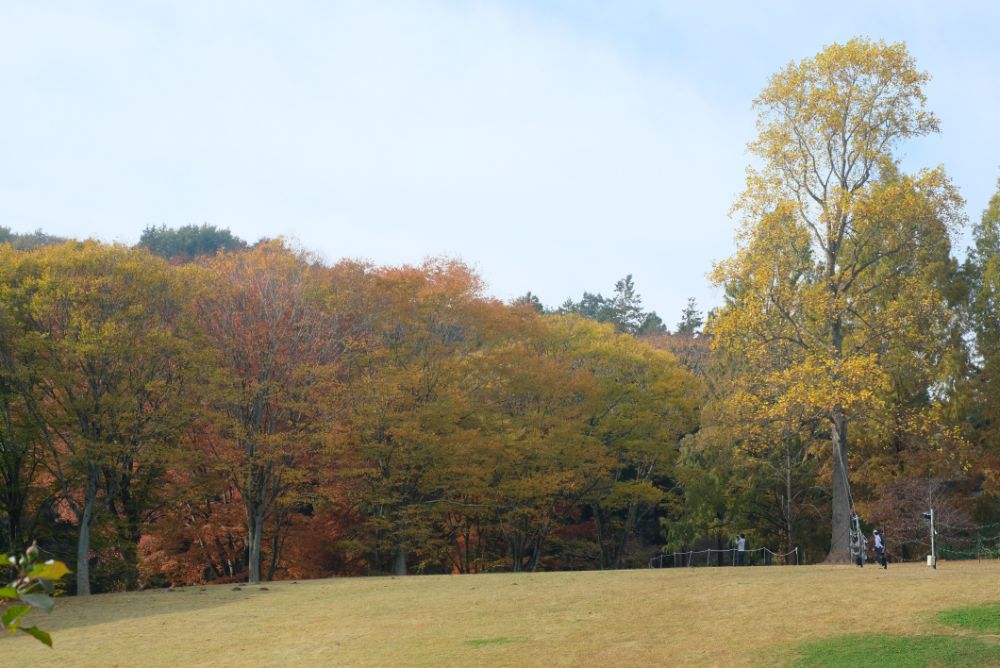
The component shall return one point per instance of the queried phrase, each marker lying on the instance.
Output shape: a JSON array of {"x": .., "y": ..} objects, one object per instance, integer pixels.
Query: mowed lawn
[{"x": 698, "y": 617}]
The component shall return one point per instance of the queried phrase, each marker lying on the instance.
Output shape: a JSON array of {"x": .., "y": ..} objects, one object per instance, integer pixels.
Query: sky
[{"x": 555, "y": 146}]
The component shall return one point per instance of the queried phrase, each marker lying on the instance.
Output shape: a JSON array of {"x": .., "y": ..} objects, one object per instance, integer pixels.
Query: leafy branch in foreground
[{"x": 31, "y": 588}]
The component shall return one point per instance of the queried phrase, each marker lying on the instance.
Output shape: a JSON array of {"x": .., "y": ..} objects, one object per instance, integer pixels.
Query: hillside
[{"x": 719, "y": 616}]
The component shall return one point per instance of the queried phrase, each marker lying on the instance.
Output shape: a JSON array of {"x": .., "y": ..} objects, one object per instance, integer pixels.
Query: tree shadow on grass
[{"x": 81, "y": 611}]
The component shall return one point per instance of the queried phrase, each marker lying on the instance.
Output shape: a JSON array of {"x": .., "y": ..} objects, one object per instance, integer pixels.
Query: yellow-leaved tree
[{"x": 837, "y": 284}]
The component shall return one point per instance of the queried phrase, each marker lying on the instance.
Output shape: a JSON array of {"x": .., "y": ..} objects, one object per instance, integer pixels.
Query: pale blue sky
[{"x": 555, "y": 146}]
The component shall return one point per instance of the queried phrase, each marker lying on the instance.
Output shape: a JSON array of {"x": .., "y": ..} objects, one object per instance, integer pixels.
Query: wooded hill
[{"x": 199, "y": 408}]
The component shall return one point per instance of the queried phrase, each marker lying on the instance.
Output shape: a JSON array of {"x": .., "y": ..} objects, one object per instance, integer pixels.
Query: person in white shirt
[
  {"x": 880, "y": 550},
  {"x": 741, "y": 550}
]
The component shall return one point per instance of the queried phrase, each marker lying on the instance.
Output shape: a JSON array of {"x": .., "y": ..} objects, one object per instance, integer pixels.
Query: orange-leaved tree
[{"x": 275, "y": 346}]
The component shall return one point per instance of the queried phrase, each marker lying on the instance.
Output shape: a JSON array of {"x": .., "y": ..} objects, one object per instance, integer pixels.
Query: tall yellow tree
[{"x": 842, "y": 256}]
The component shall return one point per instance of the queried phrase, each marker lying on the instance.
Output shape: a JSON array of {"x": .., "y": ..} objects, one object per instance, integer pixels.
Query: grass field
[{"x": 809, "y": 615}]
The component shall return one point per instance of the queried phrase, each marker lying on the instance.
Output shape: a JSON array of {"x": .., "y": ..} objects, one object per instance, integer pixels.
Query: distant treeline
[{"x": 252, "y": 412}]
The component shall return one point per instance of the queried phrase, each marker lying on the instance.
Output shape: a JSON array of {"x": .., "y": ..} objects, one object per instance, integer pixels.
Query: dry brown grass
[{"x": 696, "y": 617}]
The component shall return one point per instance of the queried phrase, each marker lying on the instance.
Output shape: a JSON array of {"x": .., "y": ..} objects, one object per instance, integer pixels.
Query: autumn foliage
[
  {"x": 257, "y": 414},
  {"x": 199, "y": 409}
]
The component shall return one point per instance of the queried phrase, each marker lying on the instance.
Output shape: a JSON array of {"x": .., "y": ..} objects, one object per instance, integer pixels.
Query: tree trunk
[
  {"x": 515, "y": 543},
  {"x": 399, "y": 561},
  {"x": 840, "y": 529},
  {"x": 599, "y": 530},
  {"x": 536, "y": 555},
  {"x": 276, "y": 543},
  {"x": 255, "y": 530},
  {"x": 83, "y": 542},
  {"x": 132, "y": 534},
  {"x": 789, "y": 517},
  {"x": 631, "y": 519},
  {"x": 840, "y": 525}
]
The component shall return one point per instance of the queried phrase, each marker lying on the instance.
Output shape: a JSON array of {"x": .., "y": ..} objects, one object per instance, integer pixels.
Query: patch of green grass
[
  {"x": 982, "y": 618},
  {"x": 886, "y": 651},
  {"x": 482, "y": 642}
]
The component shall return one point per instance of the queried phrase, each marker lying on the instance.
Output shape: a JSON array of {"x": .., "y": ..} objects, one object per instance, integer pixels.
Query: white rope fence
[{"x": 693, "y": 558}]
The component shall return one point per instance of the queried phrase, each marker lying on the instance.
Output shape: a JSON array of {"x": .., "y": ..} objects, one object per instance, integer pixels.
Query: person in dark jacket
[{"x": 880, "y": 550}]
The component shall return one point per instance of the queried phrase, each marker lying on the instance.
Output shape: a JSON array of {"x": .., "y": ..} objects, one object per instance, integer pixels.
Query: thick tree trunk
[
  {"x": 840, "y": 529},
  {"x": 83, "y": 541},
  {"x": 840, "y": 525},
  {"x": 255, "y": 528}
]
